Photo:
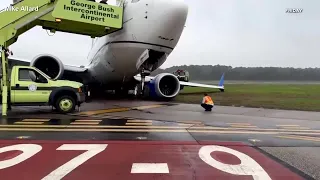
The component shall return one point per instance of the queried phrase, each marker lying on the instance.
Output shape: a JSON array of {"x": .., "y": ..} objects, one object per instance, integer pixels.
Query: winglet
[{"x": 221, "y": 83}]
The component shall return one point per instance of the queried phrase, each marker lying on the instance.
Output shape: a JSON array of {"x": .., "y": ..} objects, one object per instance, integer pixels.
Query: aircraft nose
[{"x": 169, "y": 20}]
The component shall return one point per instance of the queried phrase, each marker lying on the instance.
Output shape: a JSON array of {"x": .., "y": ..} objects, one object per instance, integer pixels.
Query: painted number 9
[
  {"x": 28, "y": 150},
  {"x": 248, "y": 166}
]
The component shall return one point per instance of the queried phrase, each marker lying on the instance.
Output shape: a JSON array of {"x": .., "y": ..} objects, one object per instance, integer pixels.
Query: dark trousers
[{"x": 207, "y": 107}]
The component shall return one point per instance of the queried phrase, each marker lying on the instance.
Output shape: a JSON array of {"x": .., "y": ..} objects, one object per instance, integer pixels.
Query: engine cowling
[
  {"x": 164, "y": 86},
  {"x": 50, "y": 65}
]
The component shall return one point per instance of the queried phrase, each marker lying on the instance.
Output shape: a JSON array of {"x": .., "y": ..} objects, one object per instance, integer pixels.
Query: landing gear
[
  {"x": 142, "y": 89},
  {"x": 140, "y": 92}
]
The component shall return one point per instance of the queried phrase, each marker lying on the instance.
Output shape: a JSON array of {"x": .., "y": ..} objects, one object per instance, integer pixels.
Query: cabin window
[{"x": 134, "y": 1}]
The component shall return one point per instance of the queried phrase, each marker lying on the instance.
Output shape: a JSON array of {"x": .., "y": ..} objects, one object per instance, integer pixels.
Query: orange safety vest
[{"x": 208, "y": 100}]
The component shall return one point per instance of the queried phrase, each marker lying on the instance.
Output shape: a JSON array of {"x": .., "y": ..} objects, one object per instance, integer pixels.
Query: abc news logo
[{"x": 294, "y": 10}]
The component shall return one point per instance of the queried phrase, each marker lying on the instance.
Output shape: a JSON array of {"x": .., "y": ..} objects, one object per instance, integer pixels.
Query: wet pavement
[{"x": 166, "y": 137}]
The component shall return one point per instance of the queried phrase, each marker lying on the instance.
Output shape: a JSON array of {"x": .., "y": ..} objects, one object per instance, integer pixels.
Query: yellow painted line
[
  {"x": 139, "y": 124},
  {"x": 159, "y": 127},
  {"x": 295, "y": 128},
  {"x": 148, "y": 106},
  {"x": 144, "y": 121},
  {"x": 183, "y": 124},
  {"x": 92, "y": 130},
  {"x": 117, "y": 110},
  {"x": 305, "y": 137},
  {"x": 143, "y": 130},
  {"x": 104, "y": 116},
  {"x": 103, "y": 111},
  {"x": 36, "y": 120},
  {"x": 28, "y": 122},
  {"x": 97, "y": 127},
  {"x": 87, "y": 120},
  {"x": 300, "y": 138},
  {"x": 243, "y": 124},
  {"x": 148, "y": 130},
  {"x": 132, "y": 130}
]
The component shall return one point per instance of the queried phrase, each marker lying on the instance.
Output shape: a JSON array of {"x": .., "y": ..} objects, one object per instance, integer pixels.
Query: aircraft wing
[
  {"x": 191, "y": 84},
  {"x": 200, "y": 85}
]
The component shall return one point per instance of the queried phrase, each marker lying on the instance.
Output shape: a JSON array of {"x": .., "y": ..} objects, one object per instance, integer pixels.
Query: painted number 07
[{"x": 31, "y": 149}]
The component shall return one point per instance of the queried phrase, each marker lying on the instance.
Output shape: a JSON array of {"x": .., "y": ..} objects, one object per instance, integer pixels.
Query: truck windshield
[{"x": 44, "y": 74}]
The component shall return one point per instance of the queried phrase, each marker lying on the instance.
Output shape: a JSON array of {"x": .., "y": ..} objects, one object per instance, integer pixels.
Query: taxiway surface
[{"x": 170, "y": 137}]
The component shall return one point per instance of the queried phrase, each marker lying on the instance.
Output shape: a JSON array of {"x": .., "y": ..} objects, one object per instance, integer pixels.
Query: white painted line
[{"x": 149, "y": 168}]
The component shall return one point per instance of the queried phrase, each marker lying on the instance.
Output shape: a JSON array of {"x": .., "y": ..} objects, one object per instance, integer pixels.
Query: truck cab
[{"x": 29, "y": 86}]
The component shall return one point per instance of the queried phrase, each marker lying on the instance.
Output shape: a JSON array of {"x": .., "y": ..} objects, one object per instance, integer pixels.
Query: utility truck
[
  {"x": 29, "y": 86},
  {"x": 182, "y": 75}
]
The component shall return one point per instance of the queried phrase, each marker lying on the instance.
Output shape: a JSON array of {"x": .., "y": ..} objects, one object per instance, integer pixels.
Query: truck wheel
[{"x": 65, "y": 104}]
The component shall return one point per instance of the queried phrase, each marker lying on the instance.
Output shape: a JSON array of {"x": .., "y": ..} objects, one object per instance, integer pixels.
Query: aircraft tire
[{"x": 65, "y": 104}]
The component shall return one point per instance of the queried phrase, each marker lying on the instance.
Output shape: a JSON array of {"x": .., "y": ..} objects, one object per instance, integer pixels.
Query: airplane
[{"x": 123, "y": 60}]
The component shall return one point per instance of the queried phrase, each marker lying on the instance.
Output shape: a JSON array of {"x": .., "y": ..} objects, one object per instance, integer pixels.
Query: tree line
[{"x": 209, "y": 72}]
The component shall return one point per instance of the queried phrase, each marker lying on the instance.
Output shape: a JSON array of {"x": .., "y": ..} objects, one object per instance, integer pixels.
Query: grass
[{"x": 273, "y": 96}]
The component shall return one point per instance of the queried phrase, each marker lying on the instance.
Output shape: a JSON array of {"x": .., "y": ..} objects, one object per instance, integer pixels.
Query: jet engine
[
  {"x": 50, "y": 65},
  {"x": 164, "y": 86}
]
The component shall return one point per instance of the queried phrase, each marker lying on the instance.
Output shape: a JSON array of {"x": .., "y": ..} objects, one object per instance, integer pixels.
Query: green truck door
[{"x": 31, "y": 87}]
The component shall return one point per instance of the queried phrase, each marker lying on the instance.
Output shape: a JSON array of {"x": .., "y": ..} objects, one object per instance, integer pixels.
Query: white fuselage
[{"x": 147, "y": 24}]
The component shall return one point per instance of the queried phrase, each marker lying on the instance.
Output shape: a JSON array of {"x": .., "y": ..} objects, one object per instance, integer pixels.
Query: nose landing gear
[{"x": 142, "y": 90}]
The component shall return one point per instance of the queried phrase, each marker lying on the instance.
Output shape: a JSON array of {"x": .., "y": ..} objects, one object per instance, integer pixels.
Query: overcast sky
[{"x": 226, "y": 32}]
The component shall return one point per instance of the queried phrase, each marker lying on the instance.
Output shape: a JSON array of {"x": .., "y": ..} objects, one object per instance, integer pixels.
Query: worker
[{"x": 207, "y": 102}]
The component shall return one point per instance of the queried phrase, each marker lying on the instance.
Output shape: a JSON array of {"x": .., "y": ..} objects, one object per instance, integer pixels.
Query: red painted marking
[
  {"x": 9, "y": 155},
  {"x": 226, "y": 158},
  {"x": 116, "y": 160}
]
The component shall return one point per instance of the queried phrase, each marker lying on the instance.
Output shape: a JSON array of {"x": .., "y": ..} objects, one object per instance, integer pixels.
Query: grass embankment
[{"x": 273, "y": 96}]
